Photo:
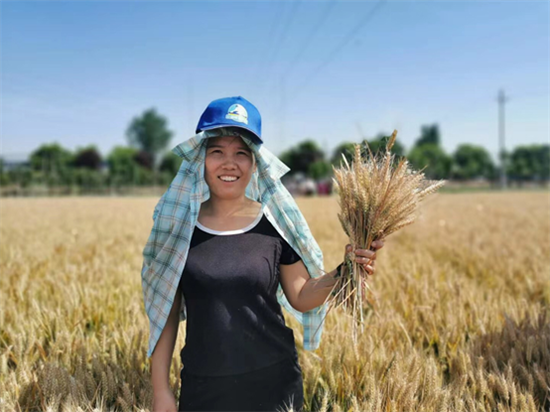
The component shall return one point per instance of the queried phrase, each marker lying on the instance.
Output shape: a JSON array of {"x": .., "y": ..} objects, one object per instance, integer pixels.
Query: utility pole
[{"x": 502, "y": 99}]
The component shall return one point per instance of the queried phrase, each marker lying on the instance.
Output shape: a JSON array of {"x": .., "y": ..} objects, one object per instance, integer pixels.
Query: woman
[{"x": 228, "y": 246}]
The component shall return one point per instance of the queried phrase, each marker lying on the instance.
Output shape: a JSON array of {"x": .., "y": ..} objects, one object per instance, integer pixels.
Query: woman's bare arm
[
  {"x": 306, "y": 293},
  {"x": 302, "y": 292},
  {"x": 161, "y": 358}
]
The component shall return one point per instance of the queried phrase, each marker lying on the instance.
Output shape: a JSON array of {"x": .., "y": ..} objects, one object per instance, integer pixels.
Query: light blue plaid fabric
[{"x": 175, "y": 217}]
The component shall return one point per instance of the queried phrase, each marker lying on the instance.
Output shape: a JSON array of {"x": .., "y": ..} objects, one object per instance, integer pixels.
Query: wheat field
[{"x": 461, "y": 322}]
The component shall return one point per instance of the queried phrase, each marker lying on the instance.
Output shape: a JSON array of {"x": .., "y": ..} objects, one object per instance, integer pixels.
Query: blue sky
[{"x": 77, "y": 72}]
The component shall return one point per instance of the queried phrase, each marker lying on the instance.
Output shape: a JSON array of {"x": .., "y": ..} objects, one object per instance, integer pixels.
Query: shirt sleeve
[{"x": 288, "y": 254}]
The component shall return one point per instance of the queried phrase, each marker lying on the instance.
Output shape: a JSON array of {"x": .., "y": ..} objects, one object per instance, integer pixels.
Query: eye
[
  {"x": 216, "y": 151},
  {"x": 243, "y": 153}
]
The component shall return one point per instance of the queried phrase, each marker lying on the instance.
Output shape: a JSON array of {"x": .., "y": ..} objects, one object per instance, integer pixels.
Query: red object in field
[{"x": 323, "y": 188}]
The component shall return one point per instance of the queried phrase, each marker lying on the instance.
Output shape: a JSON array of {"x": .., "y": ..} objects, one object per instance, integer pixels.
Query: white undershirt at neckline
[{"x": 232, "y": 232}]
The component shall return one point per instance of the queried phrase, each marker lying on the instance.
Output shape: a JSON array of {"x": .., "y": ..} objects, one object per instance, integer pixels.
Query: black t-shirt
[{"x": 234, "y": 321}]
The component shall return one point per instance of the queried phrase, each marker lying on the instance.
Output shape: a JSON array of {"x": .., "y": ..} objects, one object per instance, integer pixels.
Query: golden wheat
[
  {"x": 463, "y": 322},
  {"x": 377, "y": 197}
]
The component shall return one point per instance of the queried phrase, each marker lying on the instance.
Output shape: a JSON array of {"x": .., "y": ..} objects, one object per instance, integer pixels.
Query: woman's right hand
[{"x": 164, "y": 401}]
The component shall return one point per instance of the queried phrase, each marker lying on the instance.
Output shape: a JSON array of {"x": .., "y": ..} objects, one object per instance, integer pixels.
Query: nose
[{"x": 229, "y": 163}]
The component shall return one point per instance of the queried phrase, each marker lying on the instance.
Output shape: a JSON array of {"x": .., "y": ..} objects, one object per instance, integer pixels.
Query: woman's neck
[{"x": 222, "y": 208}]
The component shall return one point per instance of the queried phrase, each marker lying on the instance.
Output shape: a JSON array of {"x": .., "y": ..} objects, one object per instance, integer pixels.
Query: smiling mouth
[{"x": 228, "y": 179}]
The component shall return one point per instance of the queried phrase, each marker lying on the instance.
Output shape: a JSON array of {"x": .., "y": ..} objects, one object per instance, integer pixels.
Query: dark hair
[{"x": 230, "y": 131}]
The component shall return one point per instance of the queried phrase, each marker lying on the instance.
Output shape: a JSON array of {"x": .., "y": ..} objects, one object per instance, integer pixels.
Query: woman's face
[{"x": 228, "y": 166}]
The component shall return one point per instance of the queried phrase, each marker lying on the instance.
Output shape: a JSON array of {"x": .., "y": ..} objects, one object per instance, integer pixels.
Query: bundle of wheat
[{"x": 377, "y": 196}]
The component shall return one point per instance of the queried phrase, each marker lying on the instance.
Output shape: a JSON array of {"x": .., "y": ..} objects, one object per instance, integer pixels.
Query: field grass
[{"x": 462, "y": 320}]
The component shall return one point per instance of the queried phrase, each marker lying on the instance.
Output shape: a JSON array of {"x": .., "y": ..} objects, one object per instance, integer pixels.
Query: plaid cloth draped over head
[{"x": 175, "y": 217}]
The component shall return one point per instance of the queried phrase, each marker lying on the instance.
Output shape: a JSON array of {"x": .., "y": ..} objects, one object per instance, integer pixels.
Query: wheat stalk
[{"x": 377, "y": 197}]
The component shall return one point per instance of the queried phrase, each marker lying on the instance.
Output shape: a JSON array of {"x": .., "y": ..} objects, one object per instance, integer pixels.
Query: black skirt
[{"x": 273, "y": 388}]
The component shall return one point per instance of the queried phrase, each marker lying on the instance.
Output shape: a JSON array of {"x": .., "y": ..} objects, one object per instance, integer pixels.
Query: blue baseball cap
[{"x": 232, "y": 112}]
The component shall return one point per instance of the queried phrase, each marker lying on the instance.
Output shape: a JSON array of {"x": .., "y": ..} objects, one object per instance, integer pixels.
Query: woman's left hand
[{"x": 367, "y": 257}]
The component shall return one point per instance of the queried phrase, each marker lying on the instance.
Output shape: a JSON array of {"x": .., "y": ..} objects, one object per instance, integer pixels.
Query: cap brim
[{"x": 219, "y": 126}]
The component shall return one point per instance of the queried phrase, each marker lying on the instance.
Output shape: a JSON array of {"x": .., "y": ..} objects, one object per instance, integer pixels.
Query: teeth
[{"x": 228, "y": 178}]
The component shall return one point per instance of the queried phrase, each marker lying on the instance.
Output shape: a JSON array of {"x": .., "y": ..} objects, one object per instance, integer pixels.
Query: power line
[
  {"x": 309, "y": 38},
  {"x": 270, "y": 36},
  {"x": 281, "y": 39},
  {"x": 372, "y": 12}
]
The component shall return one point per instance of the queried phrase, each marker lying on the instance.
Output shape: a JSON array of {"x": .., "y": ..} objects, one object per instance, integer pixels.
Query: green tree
[
  {"x": 429, "y": 135},
  {"x": 379, "y": 144},
  {"x": 542, "y": 162},
  {"x": 54, "y": 163},
  {"x": 88, "y": 158},
  {"x": 144, "y": 176},
  {"x": 471, "y": 161},
  {"x": 431, "y": 156},
  {"x": 144, "y": 159},
  {"x": 88, "y": 179},
  {"x": 344, "y": 148},
  {"x": 300, "y": 157},
  {"x": 123, "y": 168},
  {"x": 170, "y": 163},
  {"x": 319, "y": 169},
  {"x": 530, "y": 162},
  {"x": 149, "y": 132},
  {"x": 21, "y": 175},
  {"x": 4, "y": 177}
]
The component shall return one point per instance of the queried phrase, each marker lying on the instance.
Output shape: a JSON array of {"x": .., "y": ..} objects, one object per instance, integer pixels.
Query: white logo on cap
[{"x": 238, "y": 113}]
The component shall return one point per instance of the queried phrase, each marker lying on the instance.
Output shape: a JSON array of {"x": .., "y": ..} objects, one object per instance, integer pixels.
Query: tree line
[
  {"x": 525, "y": 163},
  {"x": 145, "y": 161}
]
